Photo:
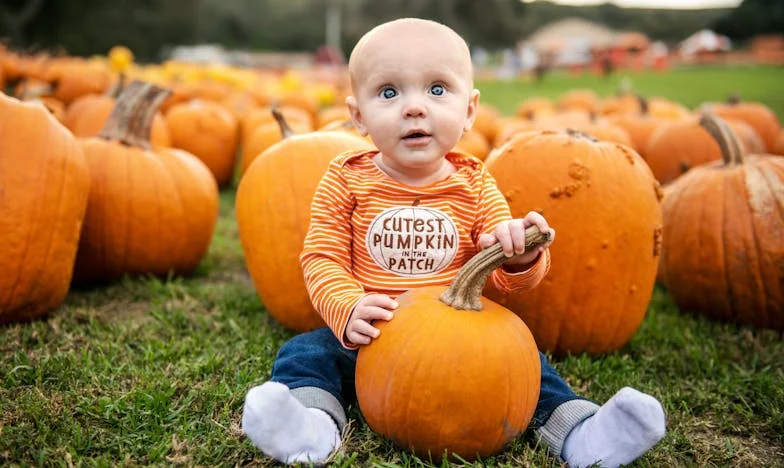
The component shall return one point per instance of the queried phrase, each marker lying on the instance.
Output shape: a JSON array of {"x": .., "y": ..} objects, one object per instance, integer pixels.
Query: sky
[{"x": 655, "y": 3}]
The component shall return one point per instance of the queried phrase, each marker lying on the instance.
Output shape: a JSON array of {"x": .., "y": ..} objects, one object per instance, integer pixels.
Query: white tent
[{"x": 704, "y": 41}]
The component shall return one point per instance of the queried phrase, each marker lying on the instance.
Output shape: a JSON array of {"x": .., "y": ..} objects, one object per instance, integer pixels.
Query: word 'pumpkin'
[
  {"x": 273, "y": 215},
  {"x": 44, "y": 185},
  {"x": 603, "y": 201},
  {"x": 734, "y": 211},
  {"x": 452, "y": 372},
  {"x": 149, "y": 212}
]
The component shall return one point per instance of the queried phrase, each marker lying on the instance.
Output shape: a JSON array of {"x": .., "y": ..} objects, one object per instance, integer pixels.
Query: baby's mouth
[{"x": 416, "y": 135}]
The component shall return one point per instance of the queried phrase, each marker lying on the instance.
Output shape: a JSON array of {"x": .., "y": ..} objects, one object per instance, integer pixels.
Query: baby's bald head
[{"x": 408, "y": 38}]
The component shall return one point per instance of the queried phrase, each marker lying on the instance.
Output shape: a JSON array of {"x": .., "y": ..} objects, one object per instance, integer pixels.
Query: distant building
[{"x": 704, "y": 46}]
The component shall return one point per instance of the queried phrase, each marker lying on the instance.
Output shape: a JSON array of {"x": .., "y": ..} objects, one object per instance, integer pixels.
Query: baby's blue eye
[
  {"x": 388, "y": 93},
  {"x": 437, "y": 90}
]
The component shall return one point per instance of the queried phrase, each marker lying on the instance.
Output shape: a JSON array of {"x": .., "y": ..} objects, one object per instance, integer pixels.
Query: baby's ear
[
  {"x": 356, "y": 115},
  {"x": 473, "y": 105}
]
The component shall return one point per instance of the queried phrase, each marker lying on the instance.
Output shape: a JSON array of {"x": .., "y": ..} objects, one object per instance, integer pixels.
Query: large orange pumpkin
[
  {"x": 44, "y": 185},
  {"x": 273, "y": 215},
  {"x": 603, "y": 202},
  {"x": 733, "y": 210},
  {"x": 452, "y": 372},
  {"x": 149, "y": 212}
]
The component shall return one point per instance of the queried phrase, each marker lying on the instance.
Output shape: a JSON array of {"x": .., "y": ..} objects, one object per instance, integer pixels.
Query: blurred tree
[
  {"x": 150, "y": 27},
  {"x": 752, "y": 17},
  {"x": 15, "y": 14}
]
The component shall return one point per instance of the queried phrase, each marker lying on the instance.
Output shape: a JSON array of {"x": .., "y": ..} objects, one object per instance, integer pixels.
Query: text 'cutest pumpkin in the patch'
[{"x": 412, "y": 240}]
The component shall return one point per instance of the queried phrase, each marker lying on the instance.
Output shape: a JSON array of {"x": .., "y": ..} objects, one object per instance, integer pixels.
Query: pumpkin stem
[
  {"x": 644, "y": 107},
  {"x": 145, "y": 114},
  {"x": 731, "y": 150},
  {"x": 285, "y": 129},
  {"x": 131, "y": 119},
  {"x": 116, "y": 89},
  {"x": 465, "y": 292},
  {"x": 118, "y": 124},
  {"x": 578, "y": 134},
  {"x": 733, "y": 99}
]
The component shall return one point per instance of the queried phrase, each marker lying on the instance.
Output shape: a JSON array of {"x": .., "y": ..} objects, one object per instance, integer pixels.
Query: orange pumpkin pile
[{"x": 148, "y": 212}]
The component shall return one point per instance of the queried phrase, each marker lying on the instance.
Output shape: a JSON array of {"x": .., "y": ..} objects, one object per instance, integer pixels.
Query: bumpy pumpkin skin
[
  {"x": 273, "y": 215},
  {"x": 735, "y": 214},
  {"x": 441, "y": 379},
  {"x": 603, "y": 203},
  {"x": 44, "y": 186}
]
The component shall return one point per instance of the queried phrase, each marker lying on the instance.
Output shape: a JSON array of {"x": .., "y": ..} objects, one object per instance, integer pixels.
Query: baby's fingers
[{"x": 369, "y": 313}]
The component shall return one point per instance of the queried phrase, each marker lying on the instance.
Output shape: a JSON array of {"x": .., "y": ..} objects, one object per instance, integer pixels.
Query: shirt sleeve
[
  {"x": 493, "y": 209},
  {"x": 326, "y": 255}
]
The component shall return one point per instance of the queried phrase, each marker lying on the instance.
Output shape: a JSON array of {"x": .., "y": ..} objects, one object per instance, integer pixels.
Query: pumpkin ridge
[
  {"x": 725, "y": 229},
  {"x": 30, "y": 234},
  {"x": 432, "y": 333},
  {"x": 50, "y": 241},
  {"x": 618, "y": 327},
  {"x": 765, "y": 309},
  {"x": 388, "y": 403}
]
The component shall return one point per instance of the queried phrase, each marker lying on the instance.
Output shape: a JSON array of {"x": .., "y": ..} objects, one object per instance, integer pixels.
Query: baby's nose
[{"x": 415, "y": 108}]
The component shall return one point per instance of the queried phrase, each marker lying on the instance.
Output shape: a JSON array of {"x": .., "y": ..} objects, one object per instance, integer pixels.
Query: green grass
[
  {"x": 152, "y": 372},
  {"x": 689, "y": 86}
]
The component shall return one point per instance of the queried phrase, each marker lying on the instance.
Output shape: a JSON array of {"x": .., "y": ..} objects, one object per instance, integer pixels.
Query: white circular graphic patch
[{"x": 412, "y": 240}]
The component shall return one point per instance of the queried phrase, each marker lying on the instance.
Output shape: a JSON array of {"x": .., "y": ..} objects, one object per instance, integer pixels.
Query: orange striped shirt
[{"x": 371, "y": 234}]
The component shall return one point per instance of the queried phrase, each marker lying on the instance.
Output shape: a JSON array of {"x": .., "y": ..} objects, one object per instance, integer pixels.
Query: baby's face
[{"x": 413, "y": 94}]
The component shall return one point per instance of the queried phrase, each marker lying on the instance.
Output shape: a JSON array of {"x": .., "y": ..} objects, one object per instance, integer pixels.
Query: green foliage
[
  {"x": 153, "y": 372},
  {"x": 753, "y": 17}
]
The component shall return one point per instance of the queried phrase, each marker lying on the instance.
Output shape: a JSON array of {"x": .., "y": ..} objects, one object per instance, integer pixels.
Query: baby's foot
[
  {"x": 281, "y": 427},
  {"x": 624, "y": 428}
]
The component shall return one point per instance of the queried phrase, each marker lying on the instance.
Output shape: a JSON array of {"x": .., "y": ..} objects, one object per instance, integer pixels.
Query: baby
[{"x": 410, "y": 214}]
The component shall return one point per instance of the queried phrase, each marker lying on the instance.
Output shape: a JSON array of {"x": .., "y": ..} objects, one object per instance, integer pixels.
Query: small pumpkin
[
  {"x": 733, "y": 209},
  {"x": 452, "y": 372},
  {"x": 680, "y": 145},
  {"x": 756, "y": 114},
  {"x": 44, "y": 186},
  {"x": 149, "y": 212},
  {"x": 273, "y": 215},
  {"x": 266, "y": 135},
  {"x": 208, "y": 131},
  {"x": 87, "y": 115},
  {"x": 473, "y": 143},
  {"x": 603, "y": 201}
]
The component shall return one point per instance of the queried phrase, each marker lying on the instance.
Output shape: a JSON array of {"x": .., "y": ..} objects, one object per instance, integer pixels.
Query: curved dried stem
[
  {"x": 465, "y": 292},
  {"x": 731, "y": 150},
  {"x": 285, "y": 130}
]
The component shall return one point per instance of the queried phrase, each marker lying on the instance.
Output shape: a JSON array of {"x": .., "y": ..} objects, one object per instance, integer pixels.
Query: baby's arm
[{"x": 326, "y": 254}]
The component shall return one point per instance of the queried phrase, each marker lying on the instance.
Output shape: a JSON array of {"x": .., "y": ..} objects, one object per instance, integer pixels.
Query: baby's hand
[
  {"x": 511, "y": 235},
  {"x": 360, "y": 330}
]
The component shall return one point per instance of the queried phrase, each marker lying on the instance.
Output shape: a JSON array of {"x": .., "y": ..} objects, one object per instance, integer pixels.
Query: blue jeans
[{"x": 317, "y": 360}]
